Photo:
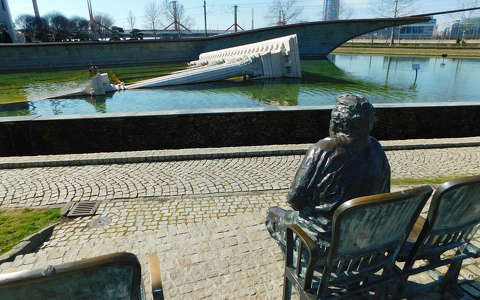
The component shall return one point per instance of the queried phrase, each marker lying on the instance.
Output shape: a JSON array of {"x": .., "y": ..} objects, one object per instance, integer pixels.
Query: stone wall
[{"x": 220, "y": 128}]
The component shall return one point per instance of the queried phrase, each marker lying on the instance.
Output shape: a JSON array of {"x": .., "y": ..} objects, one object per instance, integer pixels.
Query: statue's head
[{"x": 352, "y": 117}]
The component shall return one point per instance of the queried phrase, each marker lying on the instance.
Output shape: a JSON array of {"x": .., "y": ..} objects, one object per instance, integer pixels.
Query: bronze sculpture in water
[{"x": 347, "y": 164}]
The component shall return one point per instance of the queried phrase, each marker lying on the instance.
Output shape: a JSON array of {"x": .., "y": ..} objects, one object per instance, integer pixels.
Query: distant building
[
  {"x": 331, "y": 10},
  {"x": 419, "y": 31},
  {"x": 6, "y": 18},
  {"x": 466, "y": 29}
]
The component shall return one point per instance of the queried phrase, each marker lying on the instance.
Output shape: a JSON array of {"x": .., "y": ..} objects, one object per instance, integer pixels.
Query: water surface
[{"x": 381, "y": 79}]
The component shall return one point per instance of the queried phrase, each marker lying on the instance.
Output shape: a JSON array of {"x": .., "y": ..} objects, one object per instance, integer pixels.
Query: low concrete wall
[
  {"x": 74, "y": 55},
  {"x": 221, "y": 128}
]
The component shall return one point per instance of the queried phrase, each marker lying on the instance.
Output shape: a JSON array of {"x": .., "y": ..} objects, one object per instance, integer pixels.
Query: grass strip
[
  {"x": 17, "y": 224},
  {"x": 421, "y": 181}
]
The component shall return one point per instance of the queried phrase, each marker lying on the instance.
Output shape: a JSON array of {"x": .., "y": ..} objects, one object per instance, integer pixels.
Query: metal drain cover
[{"x": 83, "y": 209}]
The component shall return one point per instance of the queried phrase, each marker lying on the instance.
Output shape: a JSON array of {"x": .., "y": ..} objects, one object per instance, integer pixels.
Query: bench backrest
[
  {"x": 454, "y": 215},
  {"x": 368, "y": 232},
  {"x": 114, "y": 276}
]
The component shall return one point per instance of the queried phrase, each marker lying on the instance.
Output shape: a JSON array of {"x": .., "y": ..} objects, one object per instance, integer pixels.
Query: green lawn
[{"x": 17, "y": 224}]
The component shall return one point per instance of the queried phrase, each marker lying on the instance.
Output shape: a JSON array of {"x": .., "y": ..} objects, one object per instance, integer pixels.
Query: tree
[
  {"x": 42, "y": 29},
  {"x": 33, "y": 28},
  {"x": 394, "y": 9},
  {"x": 131, "y": 20},
  {"x": 282, "y": 12},
  {"x": 60, "y": 27},
  {"x": 466, "y": 15},
  {"x": 26, "y": 24},
  {"x": 152, "y": 16},
  {"x": 80, "y": 23},
  {"x": 181, "y": 20},
  {"x": 103, "y": 22}
]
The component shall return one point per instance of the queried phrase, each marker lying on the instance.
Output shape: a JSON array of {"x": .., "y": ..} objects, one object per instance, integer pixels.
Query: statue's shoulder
[
  {"x": 374, "y": 143},
  {"x": 326, "y": 144}
]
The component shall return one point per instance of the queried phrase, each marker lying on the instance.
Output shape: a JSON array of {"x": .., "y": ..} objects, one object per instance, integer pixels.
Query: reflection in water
[
  {"x": 381, "y": 79},
  {"x": 388, "y": 70},
  {"x": 273, "y": 92},
  {"x": 99, "y": 102}
]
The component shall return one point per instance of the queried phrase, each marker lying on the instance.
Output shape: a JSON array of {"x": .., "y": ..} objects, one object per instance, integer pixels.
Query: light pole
[
  {"x": 395, "y": 13},
  {"x": 205, "y": 15},
  {"x": 35, "y": 9}
]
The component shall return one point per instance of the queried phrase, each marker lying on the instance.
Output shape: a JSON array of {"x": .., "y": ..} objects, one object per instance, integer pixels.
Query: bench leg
[
  {"x": 399, "y": 287},
  {"x": 450, "y": 283},
  {"x": 287, "y": 289}
]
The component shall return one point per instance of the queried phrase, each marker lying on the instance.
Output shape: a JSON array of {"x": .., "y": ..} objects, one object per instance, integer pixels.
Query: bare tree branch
[
  {"x": 105, "y": 21},
  {"x": 386, "y": 8},
  {"x": 131, "y": 20},
  {"x": 346, "y": 11},
  {"x": 283, "y": 12},
  {"x": 152, "y": 16},
  {"x": 182, "y": 18}
]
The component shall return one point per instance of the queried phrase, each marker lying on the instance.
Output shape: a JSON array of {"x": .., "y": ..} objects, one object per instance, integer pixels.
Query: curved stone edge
[
  {"x": 63, "y": 160},
  {"x": 28, "y": 244}
]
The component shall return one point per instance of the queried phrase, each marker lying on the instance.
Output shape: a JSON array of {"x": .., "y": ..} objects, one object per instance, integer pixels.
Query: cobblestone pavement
[
  {"x": 220, "y": 258},
  {"x": 32, "y": 187},
  {"x": 204, "y": 218}
]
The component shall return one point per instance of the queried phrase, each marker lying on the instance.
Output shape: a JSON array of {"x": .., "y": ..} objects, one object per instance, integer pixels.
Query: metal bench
[
  {"x": 452, "y": 221},
  {"x": 368, "y": 233},
  {"x": 113, "y": 276}
]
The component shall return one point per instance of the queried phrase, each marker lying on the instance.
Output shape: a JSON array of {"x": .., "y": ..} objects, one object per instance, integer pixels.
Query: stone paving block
[{"x": 56, "y": 185}]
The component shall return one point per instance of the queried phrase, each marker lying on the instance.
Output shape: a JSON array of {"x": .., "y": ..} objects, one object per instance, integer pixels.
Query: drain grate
[{"x": 83, "y": 209}]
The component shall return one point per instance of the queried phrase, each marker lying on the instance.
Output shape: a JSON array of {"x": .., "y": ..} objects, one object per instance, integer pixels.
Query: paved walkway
[
  {"x": 204, "y": 217},
  {"x": 40, "y": 186}
]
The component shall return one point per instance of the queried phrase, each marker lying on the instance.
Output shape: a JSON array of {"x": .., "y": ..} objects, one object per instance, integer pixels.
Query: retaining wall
[{"x": 221, "y": 128}]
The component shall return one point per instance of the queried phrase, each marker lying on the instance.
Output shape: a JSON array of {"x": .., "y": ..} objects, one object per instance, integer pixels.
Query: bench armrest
[{"x": 155, "y": 277}]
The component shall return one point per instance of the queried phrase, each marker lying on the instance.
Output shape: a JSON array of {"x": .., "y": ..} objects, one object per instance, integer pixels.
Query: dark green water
[{"x": 381, "y": 79}]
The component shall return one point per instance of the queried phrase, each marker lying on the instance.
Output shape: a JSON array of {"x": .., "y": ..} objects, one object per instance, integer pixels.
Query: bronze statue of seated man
[{"x": 346, "y": 165}]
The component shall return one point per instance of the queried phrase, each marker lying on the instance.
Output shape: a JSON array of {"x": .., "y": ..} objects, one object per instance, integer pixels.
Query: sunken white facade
[
  {"x": 6, "y": 18},
  {"x": 273, "y": 58}
]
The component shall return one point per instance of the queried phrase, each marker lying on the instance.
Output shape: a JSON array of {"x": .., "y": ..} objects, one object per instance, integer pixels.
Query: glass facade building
[
  {"x": 419, "y": 31},
  {"x": 466, "y": 29},
  {"x": 331, "y": 10}
]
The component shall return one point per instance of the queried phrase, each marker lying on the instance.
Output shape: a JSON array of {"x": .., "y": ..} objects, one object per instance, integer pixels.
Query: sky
[{"x": 220, "y": 13}]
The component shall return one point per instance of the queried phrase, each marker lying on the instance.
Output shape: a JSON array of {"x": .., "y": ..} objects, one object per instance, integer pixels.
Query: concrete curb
[
  {"x": 28, "y": 244},
  {"x": 209, "y": 153}
]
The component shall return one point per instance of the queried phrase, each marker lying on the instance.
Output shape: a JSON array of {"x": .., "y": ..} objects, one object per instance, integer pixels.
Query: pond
[{"x": 381, "y": 79}]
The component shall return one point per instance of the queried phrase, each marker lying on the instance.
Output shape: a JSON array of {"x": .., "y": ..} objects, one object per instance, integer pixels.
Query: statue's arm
[{"x": 298, "y": 196}]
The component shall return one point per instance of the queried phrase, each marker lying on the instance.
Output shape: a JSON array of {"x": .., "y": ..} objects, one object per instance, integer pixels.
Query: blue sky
[{"x": 219, "y": 13}]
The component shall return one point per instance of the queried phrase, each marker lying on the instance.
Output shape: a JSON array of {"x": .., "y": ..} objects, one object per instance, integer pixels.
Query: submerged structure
[{"x": 273, "y": 58}]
